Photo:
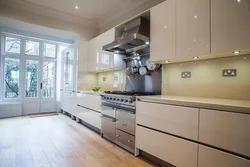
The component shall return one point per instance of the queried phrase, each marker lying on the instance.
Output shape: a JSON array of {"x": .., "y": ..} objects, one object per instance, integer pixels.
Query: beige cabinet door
[
  {"x": 230, "y": 25},
  {"x": 162, "y": 31},
  {"x": 193, "y": 27},
  {"x": 209, "y": 157},
  {"x": 180, "y": 121},
  {"x": 225, "y": 130},
  {"x": 176, "y": 151}
]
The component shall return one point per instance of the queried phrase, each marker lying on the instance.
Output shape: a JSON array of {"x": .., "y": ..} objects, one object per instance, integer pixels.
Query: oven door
[
  {"x": 125, "y": 121},
  {"x": 108, "y": 122}
]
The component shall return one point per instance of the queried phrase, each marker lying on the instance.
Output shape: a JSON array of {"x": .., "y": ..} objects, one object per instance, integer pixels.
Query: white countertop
[
  {"x": 90, "y": 92},
  {"x": 241, "y": 106}
]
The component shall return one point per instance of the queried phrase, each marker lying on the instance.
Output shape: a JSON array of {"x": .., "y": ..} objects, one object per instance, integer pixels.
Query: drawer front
[
  {"x": 176, "y": 151},
  {"x": 225, "y": 130},
  {"x": 108, "y": 127},
  {"x": 209, "y": 157},
  {"x": 125, "y": 139},
  {"x": 125, "y": 121},
  {"x": 181, "y": 121},
  {"x": 89, "y": 116},
  {"x": 90, "y": 101}
]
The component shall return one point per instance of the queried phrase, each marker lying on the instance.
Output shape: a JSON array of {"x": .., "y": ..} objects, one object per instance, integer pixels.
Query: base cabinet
[
  {"x": 176, "y": 151},
  {"x": 209, "y": 157},
  {"x": 91, "y": 117}
]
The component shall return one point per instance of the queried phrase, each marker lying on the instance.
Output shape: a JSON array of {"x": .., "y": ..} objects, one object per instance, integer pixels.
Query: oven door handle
[{"x": 110, "y": 119}]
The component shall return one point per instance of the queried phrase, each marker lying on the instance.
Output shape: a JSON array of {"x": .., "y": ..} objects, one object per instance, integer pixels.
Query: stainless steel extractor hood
[{"x": 135, "y": 37}]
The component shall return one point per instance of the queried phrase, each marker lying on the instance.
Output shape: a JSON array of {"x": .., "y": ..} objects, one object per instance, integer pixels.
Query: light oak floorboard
[{"x": 58, "y": 141}]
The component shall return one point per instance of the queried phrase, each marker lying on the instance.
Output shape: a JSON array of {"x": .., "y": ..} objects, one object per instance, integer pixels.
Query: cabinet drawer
[
  {"x": 90, "y": 101},
  {"x": 108, "y": 127},
  {"x": 89, "y": 116},
  {"x": 225, "y": 130},
  {"x": 125, "y": 121},
  {"x": 181, "y": 121},
  {"x": 176, "y": 151},
  {"x": 125, "y": 139},
  {"x": 209, "y": 157}
]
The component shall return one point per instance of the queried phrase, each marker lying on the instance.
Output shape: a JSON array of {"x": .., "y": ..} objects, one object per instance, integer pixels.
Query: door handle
[
  {"x": 41, "y": 86},
  {"x": 109, "y": 119}
]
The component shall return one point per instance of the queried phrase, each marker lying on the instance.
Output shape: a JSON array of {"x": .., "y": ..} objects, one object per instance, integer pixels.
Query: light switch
[
  {"x": 229, "y": 73},
  {"x": 186, "y": 74}
]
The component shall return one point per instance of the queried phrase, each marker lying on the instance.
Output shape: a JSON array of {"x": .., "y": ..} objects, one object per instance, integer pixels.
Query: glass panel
[
  {"x": 32, "y": 48},
  {"x": 12, "y": 45},
  {"x": 48, "y": 79},
  {"x": 50, "y": 50},
  {"x": 68, "y": 78},
  {"x": 31, "y": 78},
  {"x": 11, "y": 78}
]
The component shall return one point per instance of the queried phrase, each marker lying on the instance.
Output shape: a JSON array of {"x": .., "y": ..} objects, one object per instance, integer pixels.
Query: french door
[{"x": 39, "y": 85}]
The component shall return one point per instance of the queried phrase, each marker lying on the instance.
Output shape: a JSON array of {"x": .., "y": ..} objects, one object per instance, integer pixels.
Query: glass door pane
[
  {"x": 48, "y": 79},
  {"x": 31, "y": 80}
]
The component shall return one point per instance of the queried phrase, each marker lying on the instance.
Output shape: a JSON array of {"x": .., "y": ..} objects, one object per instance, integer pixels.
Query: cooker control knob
[
  {"x": 126, "y": 101},
  {"x": 107, "y": 98},
  {"x": 117, "y": 99},
  {"x": 114, "y": 98},
  {"x": 130, "y": 101},
  {"x": 122, "y": 100}
]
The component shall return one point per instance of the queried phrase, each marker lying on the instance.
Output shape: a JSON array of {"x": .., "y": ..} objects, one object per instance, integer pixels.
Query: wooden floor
[{"x": 57, "y": 141}]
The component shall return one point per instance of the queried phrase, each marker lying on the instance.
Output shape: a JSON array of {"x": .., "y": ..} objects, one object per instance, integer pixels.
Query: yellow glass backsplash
[
  {"x": 87, "y": 81},
  {"x": 207, "y": 80}
]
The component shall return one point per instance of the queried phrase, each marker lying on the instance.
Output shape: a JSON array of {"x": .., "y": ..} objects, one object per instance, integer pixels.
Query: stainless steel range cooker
[{"x": 118, "y": 117}]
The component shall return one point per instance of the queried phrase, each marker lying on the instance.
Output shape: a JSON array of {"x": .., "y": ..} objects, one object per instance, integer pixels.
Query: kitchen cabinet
[
  {"x": 193, "y": 27},
  {"x": 209, "y": 157},
  {"x": 68, "y": 101},
  {"x": 99, "y": 60},
  {"x": 225, "y": 130},
  {"x": 89, "y": 101},
  {"x": 176, "y": 151},
  {"x": 230, "y": 25},
  {"x": 162, "y": 31},
  {"x": 180, "y": 121},
  {"x": 89, "y": 116}
]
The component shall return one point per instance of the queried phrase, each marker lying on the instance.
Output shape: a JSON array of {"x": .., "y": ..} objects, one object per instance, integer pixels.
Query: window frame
[
  {"x": 50, "y": 43},
  {"x": 33, "y": 40},
  {"x": 3, "y": 40}
]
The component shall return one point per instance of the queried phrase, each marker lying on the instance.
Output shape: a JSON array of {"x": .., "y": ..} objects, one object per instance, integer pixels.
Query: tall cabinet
[{"x": 230, "y": 25}]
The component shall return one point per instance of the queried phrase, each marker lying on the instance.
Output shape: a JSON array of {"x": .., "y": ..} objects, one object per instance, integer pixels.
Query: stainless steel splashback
[{"x": 146, "y": 83}]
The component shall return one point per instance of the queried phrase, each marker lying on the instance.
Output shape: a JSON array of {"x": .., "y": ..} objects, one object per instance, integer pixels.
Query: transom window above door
[
  {"x": 12, "y": 45},
  {"x": 32, "y": 48},
  {"x": 50, "y": 50}
]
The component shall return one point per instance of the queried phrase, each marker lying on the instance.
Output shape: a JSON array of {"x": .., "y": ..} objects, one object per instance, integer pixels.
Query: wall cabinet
[
  {"x": 162, "y": 31},
  {"x": 180, "y": 121},
  {"x": 192, "y": 27},
  {"x": 99, "y": 60},
  {"x": 82, "y": 56},
  {"x": 230, "y": 25},
  {"x": 209, "y": 157},
  {"x": 225, "y": 130},
  {"x": 176, "y": 151}
]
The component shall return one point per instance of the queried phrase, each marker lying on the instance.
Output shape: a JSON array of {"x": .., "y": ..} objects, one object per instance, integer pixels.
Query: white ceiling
[
  {"x": 89, "y": 9},
  {"x": 95, "y": 14}
]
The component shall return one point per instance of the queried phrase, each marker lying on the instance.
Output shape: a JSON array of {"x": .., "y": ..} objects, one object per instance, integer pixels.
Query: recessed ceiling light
[
  {"x": 76, "y": 7},
  {"x": 166, "y": 61},
  {"x": 238, "y": 0},
  {"x": 195, "y": 57},
  {"x": 236, "y": 52},
  {"x": 195, "y": 17}
]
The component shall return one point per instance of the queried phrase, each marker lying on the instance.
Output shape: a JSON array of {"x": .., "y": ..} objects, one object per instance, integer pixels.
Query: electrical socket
[
  {"x": 229, "y": 73},
  {"x": 186, "y": 74}
]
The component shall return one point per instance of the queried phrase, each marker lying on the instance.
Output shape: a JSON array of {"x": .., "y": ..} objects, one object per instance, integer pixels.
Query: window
[
  {"x": 50, "y": 50},
  {"x": 31, "y": 79},
  {"x": 12, "y": 45},
  {"x": 48, "y": 79},
  {"x": 11, "y": 78},
  {"x": 32, "y": 48}
]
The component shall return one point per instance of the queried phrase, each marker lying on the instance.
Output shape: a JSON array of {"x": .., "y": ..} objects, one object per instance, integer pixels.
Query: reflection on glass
[
  {"x": 68, "y": 79},
  {"x": 48, "y": 79},
  {"x": 32, "y": 48},
  {"x": 50, "y": 50},
  {"x": 11, "y": 78},
  {"x": 31, "y": 78},
  {"x": 12, "y": 45}
]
